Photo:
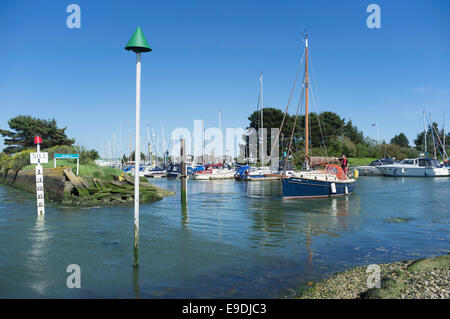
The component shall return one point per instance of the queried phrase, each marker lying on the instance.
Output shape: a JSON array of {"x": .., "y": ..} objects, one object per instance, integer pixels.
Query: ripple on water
[{"x": 235, "y": 240}]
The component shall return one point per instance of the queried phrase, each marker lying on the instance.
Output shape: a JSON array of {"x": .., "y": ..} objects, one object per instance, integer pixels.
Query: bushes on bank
[
  {"x": 21, "y": 159},
  {"x": 16, "y": 161}
]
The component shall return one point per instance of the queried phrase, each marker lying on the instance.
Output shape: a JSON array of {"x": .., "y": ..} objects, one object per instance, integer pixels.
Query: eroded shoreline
[{"x": 427, "y": 278}]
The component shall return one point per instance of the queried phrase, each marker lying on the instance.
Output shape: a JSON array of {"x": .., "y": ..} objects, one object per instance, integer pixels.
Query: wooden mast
[{"x": 306, "y": 98}]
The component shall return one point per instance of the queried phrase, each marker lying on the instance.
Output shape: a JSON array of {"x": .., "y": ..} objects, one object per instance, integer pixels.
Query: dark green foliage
[
  {"x": 272, "y": 119},
  {"x": 331, "y": 135},
  {"x": 131, "y": 158},
  {"x": 86, "y": 156},
  {"x": 24, "y": 128},
  {"x": 400, "y": 140}
]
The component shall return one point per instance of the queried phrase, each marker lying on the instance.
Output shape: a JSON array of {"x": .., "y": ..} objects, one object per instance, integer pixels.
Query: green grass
[
  {"x": 360, "y": 161},
  {"x": 86, "y": 170}
]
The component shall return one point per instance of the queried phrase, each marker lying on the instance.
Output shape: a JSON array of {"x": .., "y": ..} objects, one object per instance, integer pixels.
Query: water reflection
[
  {"x": 232, "y": 240},
  {"x": 37, "y": 254},
  {"x": 284, "y": 224},
  {"x": 137, "y": 293}
]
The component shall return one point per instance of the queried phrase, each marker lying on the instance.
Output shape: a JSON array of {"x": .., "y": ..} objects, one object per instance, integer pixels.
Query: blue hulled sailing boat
[{"x": 321, "y": 177}]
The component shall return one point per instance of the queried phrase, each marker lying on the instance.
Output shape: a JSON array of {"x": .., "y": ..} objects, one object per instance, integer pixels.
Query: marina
[{"x": 187, "y": 152}]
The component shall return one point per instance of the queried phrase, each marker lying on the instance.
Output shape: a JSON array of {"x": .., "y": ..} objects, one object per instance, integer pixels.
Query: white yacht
[
  {"x": 418, "y": 167},
  {"x": 373, "y": 168},
  {"x": 213, "y": 171}
]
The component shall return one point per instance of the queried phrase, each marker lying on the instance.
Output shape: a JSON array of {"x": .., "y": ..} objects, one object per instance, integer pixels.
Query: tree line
[
  {"x": 332, "y": 135},
  {"x": 19, "y": 141}
]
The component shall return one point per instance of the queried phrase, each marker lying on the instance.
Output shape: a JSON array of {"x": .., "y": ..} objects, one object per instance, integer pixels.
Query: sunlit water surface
[{"x": 234, "y": 239}]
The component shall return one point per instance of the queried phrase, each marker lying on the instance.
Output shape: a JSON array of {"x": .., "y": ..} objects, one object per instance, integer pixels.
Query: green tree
[
  {"x": 419, "y": 142},
  {"x": 25, "y": 127},
  {"x": 400, "y": 140},
  {"x": 329, "y": 134},
  {"x": 272, "y": 119},
  {"x": 86, "y": 156},
  {"x": 352, "y": 132},
  {"x": 143, "y": 157}
]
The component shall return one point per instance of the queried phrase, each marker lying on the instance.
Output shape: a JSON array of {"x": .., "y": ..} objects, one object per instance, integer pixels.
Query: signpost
[
  {"x": 137, "y": 44},
  {"x": 67, "y": 156},
  {"x": 38, "y": 158}
]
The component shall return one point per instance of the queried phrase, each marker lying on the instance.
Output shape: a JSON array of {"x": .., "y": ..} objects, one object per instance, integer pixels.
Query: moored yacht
[
  {"x": 329, "y": 181},
  {"x": 249, "y": 173},
  {"x": 415, "y": 167},
  {"x": 213, "y": 171},
  {"x": 320, "y": 176},
  {"x": 373, "y": 168}
]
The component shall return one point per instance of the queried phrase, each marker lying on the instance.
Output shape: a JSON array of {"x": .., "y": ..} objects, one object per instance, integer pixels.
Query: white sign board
[{"x": 36, "y": 158}]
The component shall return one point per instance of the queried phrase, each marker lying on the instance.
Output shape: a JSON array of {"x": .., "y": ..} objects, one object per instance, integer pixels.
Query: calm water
[{"x": 234, "y": 240}]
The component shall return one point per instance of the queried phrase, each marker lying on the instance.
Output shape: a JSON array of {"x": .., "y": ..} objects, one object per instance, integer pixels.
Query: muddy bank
[
  {"x": 63, "y": 187},
  {"x": 427, "y": 278}
]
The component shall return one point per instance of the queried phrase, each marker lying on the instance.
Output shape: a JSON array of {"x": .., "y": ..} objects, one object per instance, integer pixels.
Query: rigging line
[
  {"x": 287, "y": 106},
  {"x": 434, "y": 132},
  {"x": 430, "y": 127},
  {"x": 295, "y": 123},
  {"x": 316, "y": 103}
]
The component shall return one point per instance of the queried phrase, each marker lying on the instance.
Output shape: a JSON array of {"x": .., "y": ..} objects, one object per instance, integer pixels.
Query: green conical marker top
[{"x": 138, "y": 43}]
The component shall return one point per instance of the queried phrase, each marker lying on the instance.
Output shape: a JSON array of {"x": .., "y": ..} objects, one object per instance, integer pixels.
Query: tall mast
[
  {"x": 149, "y": 157},
  {"x": 155, "y": 145},
  {"x": 220, "y": 137},
  {"x": 445, "y": 150},
  {"x": 432, "y": 135},
  {"x": 425, "y": 134},
  {"x": 114, "y": 149},
  {"x": 306, "y": 97},
  {"x": 203, "y": 145},
  {"x": 120, "y": 143},
  {"x": 261, "y": 133},
  {"x": 164, "y": 145}
]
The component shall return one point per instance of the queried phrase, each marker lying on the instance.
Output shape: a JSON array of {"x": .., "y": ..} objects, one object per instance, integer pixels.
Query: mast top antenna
[{"x": 304, "y": 36}]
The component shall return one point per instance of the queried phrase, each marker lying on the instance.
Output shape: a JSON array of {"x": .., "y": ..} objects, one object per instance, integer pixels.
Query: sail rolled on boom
[{"x": 321, "y": 160}]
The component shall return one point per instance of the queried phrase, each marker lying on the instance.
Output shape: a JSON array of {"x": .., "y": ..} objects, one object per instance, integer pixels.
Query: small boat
[
  {"x": 373, "y": 168},
  {"x": 155, "y": 172},
  {"x": 130, "y": 170},
  {"x": 212, "y": 172},
  {"x": 249, "y": 173},
  {"x": 174, "y": 171},
  {"x": 415, "y": 167},
  {"x": 331, "y": 181}
]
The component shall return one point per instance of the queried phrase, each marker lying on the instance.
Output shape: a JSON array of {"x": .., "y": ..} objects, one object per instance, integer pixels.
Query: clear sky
[{"x": 207, "y": 55}]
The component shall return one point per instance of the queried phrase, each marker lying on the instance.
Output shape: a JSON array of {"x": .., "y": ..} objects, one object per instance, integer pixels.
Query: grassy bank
[
  {"x": 86, "y": 170},
  {"x": 95, "y": 185},
  {"x": 360, "y": 161},
  {"x": 427, "y": 278}
]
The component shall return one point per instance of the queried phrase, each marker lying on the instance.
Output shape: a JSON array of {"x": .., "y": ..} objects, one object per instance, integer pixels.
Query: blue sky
[{"x": 207, "y": 55}]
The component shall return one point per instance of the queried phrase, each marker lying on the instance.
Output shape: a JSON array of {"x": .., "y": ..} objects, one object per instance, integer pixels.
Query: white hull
[
  {"x": 413, "y": 171},
  {"x": 216, "y": 174},
  {"x": 368, "y": 170}
]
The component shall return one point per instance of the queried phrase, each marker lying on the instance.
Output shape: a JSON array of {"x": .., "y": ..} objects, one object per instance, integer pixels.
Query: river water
[{"x": 233, "y": 240}]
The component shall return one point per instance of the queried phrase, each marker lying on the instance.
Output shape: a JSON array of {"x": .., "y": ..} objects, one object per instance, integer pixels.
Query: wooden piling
[
  {"x": 137, "y": 293},
  {"x": 183, "y": 172}
]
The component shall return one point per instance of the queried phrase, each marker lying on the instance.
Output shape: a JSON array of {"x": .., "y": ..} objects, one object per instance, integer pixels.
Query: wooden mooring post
[{"x": 183, "y": 172}]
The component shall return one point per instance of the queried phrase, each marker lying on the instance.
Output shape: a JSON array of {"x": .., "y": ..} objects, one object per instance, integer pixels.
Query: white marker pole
[
  {"x": 137, "y": 157},
  {"x": 40, "y": 184},
  {"x": 137, "y": 44}
]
